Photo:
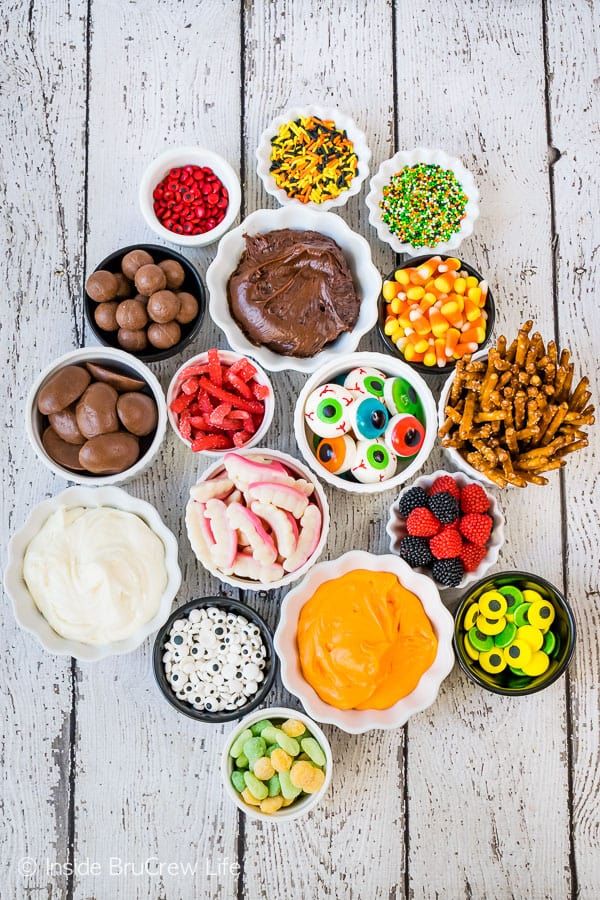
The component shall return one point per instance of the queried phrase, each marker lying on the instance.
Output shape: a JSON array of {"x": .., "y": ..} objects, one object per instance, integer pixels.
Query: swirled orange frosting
[{"x": 364, "y": 640}]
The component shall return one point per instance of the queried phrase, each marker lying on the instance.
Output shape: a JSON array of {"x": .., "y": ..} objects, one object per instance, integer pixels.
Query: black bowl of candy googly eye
[
  {"x": 514, "y": 633},
  {"x": 214, "y": 659}
]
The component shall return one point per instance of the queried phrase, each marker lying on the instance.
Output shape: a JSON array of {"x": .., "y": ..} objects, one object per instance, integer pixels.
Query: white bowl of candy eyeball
[
  {"x": 365, "y": 422},
  {"x": 257, "y": 519}
]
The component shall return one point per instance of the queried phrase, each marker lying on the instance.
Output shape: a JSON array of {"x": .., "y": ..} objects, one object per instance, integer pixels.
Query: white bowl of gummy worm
[
  {"x": 423, "y": 201},
  {"x": 313, "y": 156},
  {"x": 257, "y": 519},
  {"x": 276, "y": 765},
  {"x": 365, "y": 422}
]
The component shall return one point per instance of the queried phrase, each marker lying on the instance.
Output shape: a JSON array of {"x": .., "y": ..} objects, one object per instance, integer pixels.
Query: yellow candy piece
[
  {"x": 415, "y": 292},
  {"x": 402, "y": 276},
  {"x": 263, "y": 768},
  {"x": 471, "y": 616},
  {"x": 249, "y": 798},
  {"x": 396, "y": 305},
  {"x": 532, "y": 636},
  {"x": 470, "y": 650},
  {"x": 537, "y": 665},
  {"x": 472, "y": 281},
  {"x": 490, "y": 626},
  {"x": 541, "y": 615},
  {"x": 459, "y": 286},
  {"x": 306, "y": 776},
  {"x": 271, "y": 804},
  {"x": 443, "y": 284},
  {"x": 389, "y": 290},
  {"x": 288, "y": 802},
  {"x": 492, "y": 661},
  {"x": 317, "y": 782},
  {"x": 293, "y": 727},
  {"x": 518, "y": 654},
  {"x": 280, "y": 760},
  {"x": 493, "y": 605},
  {"x": 531, "y": 596},
  {"x": 474, "y": 294},
  {"x": 390, "y": 326}
]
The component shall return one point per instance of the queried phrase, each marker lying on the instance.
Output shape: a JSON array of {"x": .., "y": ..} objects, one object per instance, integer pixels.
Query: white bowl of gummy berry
[{"x": 447, "y": 501}]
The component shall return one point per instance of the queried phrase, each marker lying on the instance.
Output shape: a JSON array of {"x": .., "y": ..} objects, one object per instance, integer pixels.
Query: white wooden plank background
[{"x": 479, "y": 797}]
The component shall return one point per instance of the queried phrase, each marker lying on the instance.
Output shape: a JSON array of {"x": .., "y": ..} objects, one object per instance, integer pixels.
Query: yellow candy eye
[
  {"x": 490, "y": 626},
  {"x": 493, "y": 605},
  {"x": 471, "y": 616},
  {"x": 517, "y": 654},
  {"x": 531, "y": 596},
  {"x": 492, "y": 661},
  {"x": 532, "y": 636},
  {"x": 541, "y": 615},
  {"x": 470, "y": 650},
  {"x": 537, "y": 665}
]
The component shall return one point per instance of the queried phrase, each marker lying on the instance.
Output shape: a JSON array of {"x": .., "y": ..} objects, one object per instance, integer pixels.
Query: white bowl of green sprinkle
[
  {"x": 300, "y": 165},
  {"x": 423, "y": 201}
]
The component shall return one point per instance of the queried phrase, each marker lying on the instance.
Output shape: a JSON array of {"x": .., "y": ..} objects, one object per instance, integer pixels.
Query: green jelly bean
[
  {"x": 480, "y": 641},
  {"x": 314, "y": 751},
  {"x": 254, "y": 749},
  {"x": 258, "y": 727},
  {"x": 237, "y": 780},
  {"x": 256, "y": 787},
  {"x": 242, "y": 761},
  {"x": 506, "y": 636},
  {"x": 274, "y": 785},
  {"x": 270, "y": 749},
  {"x": 521, "y": 614},
  {"x": 513, "y": 595},
  {"x": 277, "y": 736},
  {"x": 549, "y": 642},
  {"x": 238, "y": 744},
  {"x": 289, "y": 791}
]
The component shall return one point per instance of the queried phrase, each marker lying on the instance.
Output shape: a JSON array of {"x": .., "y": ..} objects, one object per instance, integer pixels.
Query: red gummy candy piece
[
  {"x": 243, "y": 368},
  {"x": 211, "y": 442},
  {"x": 238, "y": 384},
  {"x": 214, "y": 367},
  {"x": 260, "y": 391},
  {"x": 422, "y": 523}
]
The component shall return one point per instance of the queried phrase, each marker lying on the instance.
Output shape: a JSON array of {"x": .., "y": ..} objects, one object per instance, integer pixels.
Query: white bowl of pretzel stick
[{"x": 510, "y": 414}]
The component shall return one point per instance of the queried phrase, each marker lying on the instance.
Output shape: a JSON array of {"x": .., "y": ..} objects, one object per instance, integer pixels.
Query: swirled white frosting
[{"x": 95, "y": 574}]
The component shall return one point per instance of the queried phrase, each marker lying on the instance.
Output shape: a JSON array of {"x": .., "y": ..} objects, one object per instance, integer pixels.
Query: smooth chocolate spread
[{"x": 293, "y": 292}]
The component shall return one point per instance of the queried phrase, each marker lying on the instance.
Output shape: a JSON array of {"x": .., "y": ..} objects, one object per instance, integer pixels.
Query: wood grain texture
[
  {"x": 496, "y": 835},
  {"x": 41, "y": 218},
  {"x": 573, "y": 50}
]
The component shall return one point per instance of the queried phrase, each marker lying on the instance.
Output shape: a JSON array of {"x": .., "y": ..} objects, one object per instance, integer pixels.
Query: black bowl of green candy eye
[{"x": 514, "y": 633}]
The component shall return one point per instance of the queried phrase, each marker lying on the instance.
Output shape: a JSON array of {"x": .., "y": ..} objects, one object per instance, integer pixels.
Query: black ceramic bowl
[
  {"x": 563, "y": 627},
  {"x": 193, "y": 284},
  {"x": 227, "y": 605},
  {"x": 416, "y": 261}
]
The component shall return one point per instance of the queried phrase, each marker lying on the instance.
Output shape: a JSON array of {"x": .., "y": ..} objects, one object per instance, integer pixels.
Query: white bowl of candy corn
[
  {"x": 381, "y": 426},
  {"x": 257, "y": 519},
  {"x": 317, "y": 762}
]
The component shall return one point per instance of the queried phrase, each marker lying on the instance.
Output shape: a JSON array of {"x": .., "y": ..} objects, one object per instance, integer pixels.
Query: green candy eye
[
  {"x": 374, "y": 385},
  {"x": 330, "y": 410},
  {"x": 378, "y": 456}
]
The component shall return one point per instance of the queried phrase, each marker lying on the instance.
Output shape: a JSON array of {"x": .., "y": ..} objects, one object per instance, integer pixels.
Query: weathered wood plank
[
  {"x": 480, "y": 822},
  {"x": 299, "y": 53},
  {"x": 148, "y": 779},
  {"x": 573, "y": 44},
  {"x": 41, "y": 221}
]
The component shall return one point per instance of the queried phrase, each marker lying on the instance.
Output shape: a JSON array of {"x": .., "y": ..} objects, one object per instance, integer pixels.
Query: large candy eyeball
[
  {"x": 365, "y": 381},
  {"x": 337, "y": 455},
  {"x": 368, "y": 418},
  {"x": 374, "y": 462},
  {"x": 400, "y": 397},
  {"x": 326, "y": 410},
  {"x": 404, "y": 435}
]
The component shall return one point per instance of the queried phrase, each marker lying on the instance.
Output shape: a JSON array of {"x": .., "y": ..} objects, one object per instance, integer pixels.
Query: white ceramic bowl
[
  {"x": 396, "y": 528},
  {"x": 216, "y": 470},
  {"x": 410, "y": 158},
  {"x": 112, "y": 358},
  {"x": 367, "y": 281},
  {"x": 357, "y": 721},
  {"x": 26, "y": 612},
  {"x": 389, "y": 366},
  {"x": 189, "y": 156},
  {"x": 454, "y": 456},
  {"x": 343, "y": 122},
  {"x": 303, "y": 805},
  {"x": 228, "y": 357}
]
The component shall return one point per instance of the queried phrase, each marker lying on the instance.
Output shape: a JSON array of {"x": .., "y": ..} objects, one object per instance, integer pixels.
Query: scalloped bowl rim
[
  {"x": 378, "y": 361},
  {"x": 354, "y": 721},
  {"x": 26, "y": 612},
  {"x": 409, "y": 158},
  {"x": 356, "y": 249},
  {"x": 342, "y": 120},
  {"x": 304, "y": 472},
  {"x": 491, "y": 557}
]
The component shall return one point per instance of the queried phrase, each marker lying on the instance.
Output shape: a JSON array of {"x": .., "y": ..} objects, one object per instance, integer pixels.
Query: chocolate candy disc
[
  {"x": 115, "y": 379},
  {"x": 64, "y": 454},
  {"x": 62, "y": 389}
]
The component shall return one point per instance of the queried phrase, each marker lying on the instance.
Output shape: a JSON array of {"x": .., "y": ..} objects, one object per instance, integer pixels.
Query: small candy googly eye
[
  {"x": 374, "y": 462},
  {"x": 404, "y": 435},
  {"x": 400, "y": 397},
  {"x": 365, "y": 381},
  {"x": 368, "y": 418},
  {"x": 326, "y": 410},
  {"x": 337, "y": 455}
]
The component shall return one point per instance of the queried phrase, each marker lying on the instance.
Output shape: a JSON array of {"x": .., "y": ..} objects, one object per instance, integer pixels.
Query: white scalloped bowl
[
  {"x": 357, "y": 721},
  {"x": 217, "y": 469},
  {"x": 26, "y": 612},
  {"x": 366, "y": 277},
  {"x": 410, "y": 158},
  {"x": 228, "y": 357},
  {"x": 396, "y": 528},
  {"x": 389, "y": 366},
  {"x": 342, "y": 121}
]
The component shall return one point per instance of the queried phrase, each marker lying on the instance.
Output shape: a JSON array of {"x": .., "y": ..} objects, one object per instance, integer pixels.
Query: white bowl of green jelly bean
[{"x": 276, "y": 764}]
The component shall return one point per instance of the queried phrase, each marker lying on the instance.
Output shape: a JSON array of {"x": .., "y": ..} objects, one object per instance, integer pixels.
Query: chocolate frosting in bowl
[{"x": 292, "y": 292}]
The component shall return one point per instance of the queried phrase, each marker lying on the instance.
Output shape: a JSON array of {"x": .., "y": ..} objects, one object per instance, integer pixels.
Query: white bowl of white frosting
[{"x": 92, "y": 573}]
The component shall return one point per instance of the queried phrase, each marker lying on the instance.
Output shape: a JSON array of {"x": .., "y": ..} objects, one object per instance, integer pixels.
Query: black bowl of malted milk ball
[{"x": 214, "y": 659}]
